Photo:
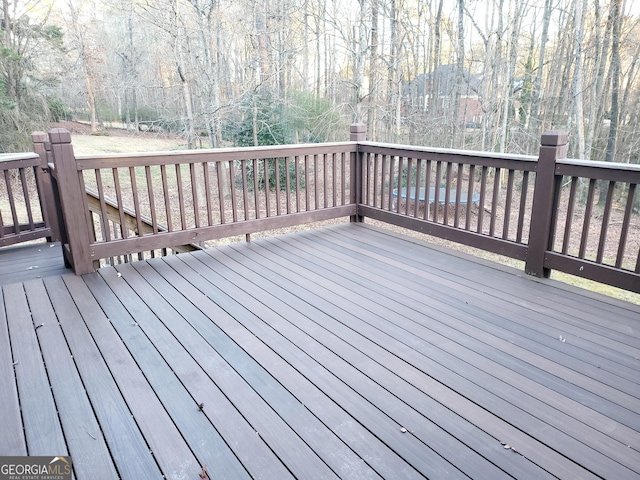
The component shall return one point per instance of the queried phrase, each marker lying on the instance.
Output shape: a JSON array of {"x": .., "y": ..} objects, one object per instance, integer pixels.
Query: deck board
[
  {"x": 81, "y": 428},
  {"x": 490, "y": 355},
  {"x": 43, "y": 432},
  {"x": 191, "y": 359},
  {"x": 483, "y": 318},
  {"x": 309, "y": 367},
  {"x": 460, "y": 361},
  {"x": 10, "y": 442},
  {"x": 329, "y": 350},
  {"x": 20, "y": 263},
  {"x": 169, "y": 447},
  {"x": 343, "y": 352},
  {"x": 460, "y": 377}
]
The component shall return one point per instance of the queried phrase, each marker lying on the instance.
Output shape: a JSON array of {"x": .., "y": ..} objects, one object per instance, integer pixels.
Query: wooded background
[{"x": 445, "y": 73}]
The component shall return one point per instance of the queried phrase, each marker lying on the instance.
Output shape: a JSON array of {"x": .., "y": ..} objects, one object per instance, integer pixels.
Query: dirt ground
[
  {"x": 120, "y": 141},
  {"x": 116, "y": 140}
]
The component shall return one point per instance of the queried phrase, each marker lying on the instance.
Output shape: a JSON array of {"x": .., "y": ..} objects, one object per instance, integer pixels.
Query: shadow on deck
[{"x": 341, "y": 352}]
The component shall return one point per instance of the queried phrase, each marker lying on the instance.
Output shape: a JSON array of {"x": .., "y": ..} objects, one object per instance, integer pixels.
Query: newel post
[
  {"x": 73, "y": 202},
  {"x": 553, "y": 146},
  {"x": 45, "y": 188},
  {"x": 358, "y": 134}
]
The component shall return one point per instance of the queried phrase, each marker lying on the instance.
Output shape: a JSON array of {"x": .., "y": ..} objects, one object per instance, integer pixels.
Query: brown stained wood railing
[
  {"x": 171, "y": 200},
  {"x": 550, "y": 212},
  {"x": 457, "y": 195},
  {"x": 585, "y": 240},
  {"x": 22, "y": 216}
]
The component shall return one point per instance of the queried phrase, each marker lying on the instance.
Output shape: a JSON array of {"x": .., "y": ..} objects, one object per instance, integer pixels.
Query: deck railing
[
  {"x": 153, "y": 201},
  {"x": 24, "y": 215},
  {"x": 524, "y": 207}
]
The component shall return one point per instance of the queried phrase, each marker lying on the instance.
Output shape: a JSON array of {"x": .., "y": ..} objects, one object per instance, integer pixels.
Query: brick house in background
[{"x": 419, "y": 93}]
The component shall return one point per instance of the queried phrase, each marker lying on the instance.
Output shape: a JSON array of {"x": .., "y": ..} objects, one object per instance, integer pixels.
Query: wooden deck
[
  {"x": 342, "y": 352},
  {"x": 23, "y": 262}
]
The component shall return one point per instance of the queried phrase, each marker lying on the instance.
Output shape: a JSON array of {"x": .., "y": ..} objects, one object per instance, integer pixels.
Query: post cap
[
  {"x": 358, "y": 132},
  {"x": 59, "y": 135},
  {"x": 554, "y": 138},
  {"x": 39, "y": 137}
]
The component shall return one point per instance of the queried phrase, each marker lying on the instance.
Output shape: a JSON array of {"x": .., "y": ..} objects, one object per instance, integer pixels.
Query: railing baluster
[
  {"x": 416, "y": 203},
  {"x": 427, "y": 191},
  {"x": 472, "y": 173},
  {"x": 296, "y": 161},
  {"x": 366, "y": 158},
  {"x": 495, "y": 200},
  {"x": 456, "y": 213},
  {"x": 392, "y": 161},
  {"x": 483, "y": 194},
  {"x": 507, "y": 205},
  {"x": 245, "y": 189},
  {"x": 343, "y": 182},
  {"x": 625, "y": 225},
  {"x": 152, "y": 199},
  {"x": 12, "y": 205},
  {"x": 167, "y": 202},
  {"x": 373, "y": 179},
  {"x": 136, "y": 200},
  {"x": 569, "y": 219},
  {"x": 181, "y": 203},
  {"x": 194, "y": 194},
  {"x": 407, "y": 192},
  {"x": 278, "y": 201},
  {"x": 267, "y": 186},
  {"x": 207, "y": 192},
  {"x": 287, "y": 176},
  {"x": 316, "y": 197},
  {"x": 447, "y": 193},
  {"x": 399, "y": 182},
  {"x": 325, "y": 179},
  {"x": 436, "y": 197},
  {"x": 605, "y": 222},
  {"x": 27, "y": 199},
  {"x": 383, "y": 176},
  {"x": 334, "y": 180},
  {"x": 220, "y": 168},
  {"x": 523, "y": 204},
  {"x": 587, "y": 219},
  {"x": 104, "y": 218},
  {"x": 256, "y": 188},
  {"x": 232, "y": 186},
  {"x": 307, "y": 192},
  {"x": 123, "y": 225}
]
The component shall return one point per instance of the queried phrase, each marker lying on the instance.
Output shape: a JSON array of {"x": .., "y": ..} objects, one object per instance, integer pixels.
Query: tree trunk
[
  {"x": 616, "y": 15},
  {"x": 373, "y": 74},
  {"x": 84, "y": 60},
  {"x": 535, "y": 122},
  {"x": 580, "y": 8},
  {"x": 455, "y": 123}
]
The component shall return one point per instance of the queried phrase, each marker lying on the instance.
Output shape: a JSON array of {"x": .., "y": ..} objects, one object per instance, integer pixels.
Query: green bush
[
  {"x": 271, "y": 170},
  {"x": 57, "y": 110}
]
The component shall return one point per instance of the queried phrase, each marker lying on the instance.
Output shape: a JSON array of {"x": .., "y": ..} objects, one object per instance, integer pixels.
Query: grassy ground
[{"x": 88, "y": 144}]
